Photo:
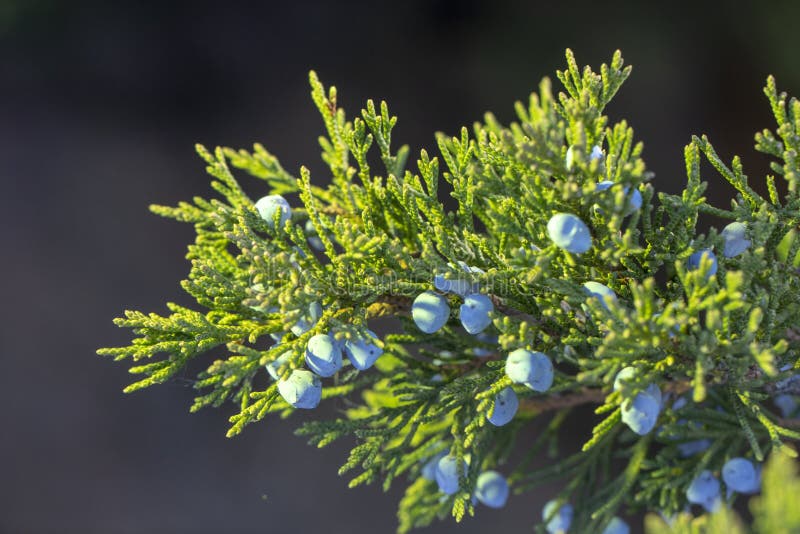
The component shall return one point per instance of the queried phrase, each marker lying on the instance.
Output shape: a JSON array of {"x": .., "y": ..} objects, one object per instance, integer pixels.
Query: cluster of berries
[
  {"x": 557, "y": 516},
  {"x": 568, "y": 231},
  {"x": 534, "y": 370},
  {"x": 491, "y": 488},
  {"x": 324, "y": 353},
  {"x": 735, "y": 243},
  {"x": 740, "y": 475},
  {"x": 431, "y": 311},
  {"x": 323, "y": 356}
]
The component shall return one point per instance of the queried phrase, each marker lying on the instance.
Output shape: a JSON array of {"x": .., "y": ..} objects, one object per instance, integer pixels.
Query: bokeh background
[{"x": 100, "y": 105}]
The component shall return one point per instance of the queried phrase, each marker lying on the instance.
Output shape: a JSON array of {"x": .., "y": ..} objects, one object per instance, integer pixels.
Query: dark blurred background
[{"x": 101, "y": 105}]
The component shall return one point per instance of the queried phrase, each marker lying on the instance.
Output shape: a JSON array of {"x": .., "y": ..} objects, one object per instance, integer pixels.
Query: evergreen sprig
[{"x": 686, "y": 343}]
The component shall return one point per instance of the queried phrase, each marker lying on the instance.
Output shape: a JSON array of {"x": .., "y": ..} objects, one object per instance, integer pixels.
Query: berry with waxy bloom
[
  {"x": 617, "y": 526},
  {"x": 640, "y": 413},
  {"x": 740, "y": 475},
  {"x": 303, "y": 389},
  {"x": 456, "y": 285},
  {"x": 429, "y": 469},
  {"x": 430, "y": 311},
  {"x": 654, "y": 391},
  {"x": 447, "y": 472},
  {"x": 558, "y": 516},
  {"x": 301, "y": 327},
  {"x": 506, "y": 404},
  {"x": 305, "y": 323},
  {"x": 736, "y": 241},
  {"x": 704, "y": 490},
  {"x": 491, "y": 489},
  {"x": 600, "y": 291},
  {"x": 274, "y": 366},
  {"x": 570, "y": 233},
  {"x": 627, "y": 374},
  {"x": 693, "y": 263},
  {"x": 267, "y": 207},
  {"x": 475, "y": 313},
  {"x": 452, "y": 285},
  {"x": 533, "y": 369},
  {"x": 362, "y": 352},
  {"x": 635, "y": 199},
  {"x": 323, "y": 355},
  {"x": 596, "y": 154}
]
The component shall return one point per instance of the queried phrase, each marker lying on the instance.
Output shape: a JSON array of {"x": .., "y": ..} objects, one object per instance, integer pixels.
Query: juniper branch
[{"x": 561, "y": 279}]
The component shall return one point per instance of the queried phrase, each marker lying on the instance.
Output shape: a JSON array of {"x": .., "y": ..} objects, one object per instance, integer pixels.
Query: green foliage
[{"x": 383, "y": 234}]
